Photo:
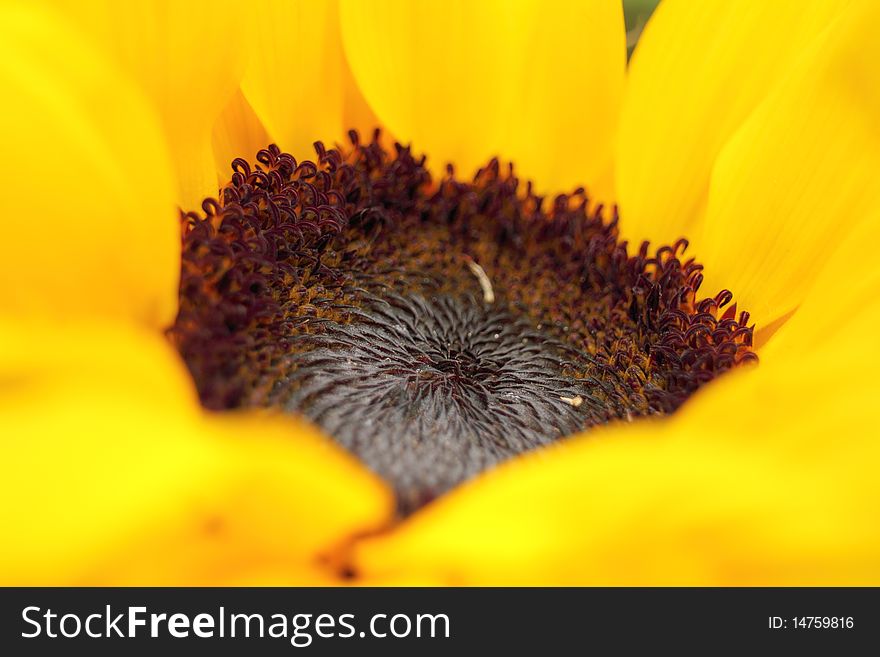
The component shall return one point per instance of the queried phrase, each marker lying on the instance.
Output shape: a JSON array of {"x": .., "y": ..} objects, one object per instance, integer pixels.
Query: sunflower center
[
  {"x": 428, "y": 392},
  {"x": 436, "y": 328}
]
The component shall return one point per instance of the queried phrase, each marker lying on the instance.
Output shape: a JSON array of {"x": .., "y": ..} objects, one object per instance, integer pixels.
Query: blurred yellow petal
[
  {"x": 188, "y": 56},
  {"x": 238, "y": 133},
  {"x": 294, "y": 76},
  {"x": 89, "y": 224},
  {"x": 699, "y": 70},
  {"x": 538, "y": 82},
  {"x": 799, "y": 174},
  {"x": 113, "y": 476}
]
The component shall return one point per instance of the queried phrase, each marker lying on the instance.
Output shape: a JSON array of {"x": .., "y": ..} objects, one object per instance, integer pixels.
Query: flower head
[{"x": 546, "y": 396}]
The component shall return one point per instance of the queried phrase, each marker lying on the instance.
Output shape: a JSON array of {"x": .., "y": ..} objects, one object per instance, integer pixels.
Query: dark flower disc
[{"x": 436, "y": 328}]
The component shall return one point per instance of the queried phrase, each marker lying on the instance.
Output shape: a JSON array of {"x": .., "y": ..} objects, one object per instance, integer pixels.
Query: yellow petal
[
  {"x": 238, "y": 133},
  {"x": 845, "y": 290},
  {"x": 357, "y": 113},
  {"x": 113, "y": 476},
  {"x": 799, "y": 173},
  {"x": 538, "y": 82},
  {"x": 89, "y": 224},
  {"x": 699, "y": 70},
  {"x": 294, "y": 77},
  {"x": 188, "y": 56}
]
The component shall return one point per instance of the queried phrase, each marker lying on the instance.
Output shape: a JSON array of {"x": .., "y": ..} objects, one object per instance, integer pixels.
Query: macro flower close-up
[{"x": 387, "y": 292}]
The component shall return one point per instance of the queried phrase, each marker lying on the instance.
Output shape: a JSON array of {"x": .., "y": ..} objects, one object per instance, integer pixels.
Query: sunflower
[{"x": 586, "y": 414}]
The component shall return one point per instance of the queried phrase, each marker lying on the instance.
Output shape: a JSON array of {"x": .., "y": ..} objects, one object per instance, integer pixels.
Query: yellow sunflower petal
[
  {"x": 188, "y": 56},
  {"x": 538, "y": 82},
  {"x": 799, "y": 173},
  {"x": 89, "y": 224},
  {"x": 847, "y": 287},
  {"x": 294, "y": 77},
  {"x": 357, "y": 113},
  {"x": 112, "y": 476},
  {"x": 238, "y": 133},
  {"x": 699, "y": 70}
]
